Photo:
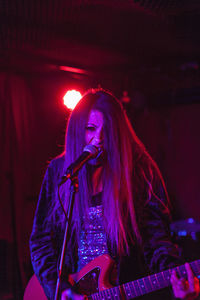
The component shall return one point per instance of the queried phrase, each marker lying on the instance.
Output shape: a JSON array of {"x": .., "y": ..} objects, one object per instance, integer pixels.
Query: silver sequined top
[{"x": 93, "y": 237}]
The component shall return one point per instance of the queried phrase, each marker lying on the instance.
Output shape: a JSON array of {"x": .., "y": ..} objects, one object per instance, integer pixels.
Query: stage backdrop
[{"x": 32, "y": 132}]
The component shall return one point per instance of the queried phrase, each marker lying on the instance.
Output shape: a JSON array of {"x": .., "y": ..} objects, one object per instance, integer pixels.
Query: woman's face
[
  {"x": 94, "y": 134},
  {"x": 94, "y": 129}
]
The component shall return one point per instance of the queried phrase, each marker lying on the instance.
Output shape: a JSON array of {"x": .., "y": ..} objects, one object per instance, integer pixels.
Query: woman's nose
[{"x": 98, "y": 138}]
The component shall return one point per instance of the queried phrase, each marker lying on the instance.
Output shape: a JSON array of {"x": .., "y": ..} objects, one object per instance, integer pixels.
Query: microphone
[{"x": 89, "y": 151}]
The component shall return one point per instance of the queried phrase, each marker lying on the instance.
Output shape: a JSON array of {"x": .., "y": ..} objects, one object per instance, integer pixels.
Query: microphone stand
[{"x": 73, "y": 190}]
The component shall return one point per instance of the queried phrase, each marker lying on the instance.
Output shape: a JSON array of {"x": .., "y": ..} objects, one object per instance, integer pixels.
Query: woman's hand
[
  {"x": 70, "y": 295},
  {"x": 185, "y": 288}
]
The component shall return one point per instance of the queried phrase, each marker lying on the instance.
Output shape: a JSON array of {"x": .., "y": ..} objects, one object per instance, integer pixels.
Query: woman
[{"x": 121, "y": 207}]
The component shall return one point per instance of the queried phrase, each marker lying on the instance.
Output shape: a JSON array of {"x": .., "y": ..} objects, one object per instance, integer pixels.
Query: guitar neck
[
  {"x": 145, "y": 285},
  {"x": 157, "y": 281}
]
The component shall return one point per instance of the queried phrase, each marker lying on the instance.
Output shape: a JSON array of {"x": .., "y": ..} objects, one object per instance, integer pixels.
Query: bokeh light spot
[{"x": 71, "y": 98}]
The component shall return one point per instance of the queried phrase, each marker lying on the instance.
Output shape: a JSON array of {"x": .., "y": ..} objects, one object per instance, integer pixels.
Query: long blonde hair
[{"x": 124, "y": 154}]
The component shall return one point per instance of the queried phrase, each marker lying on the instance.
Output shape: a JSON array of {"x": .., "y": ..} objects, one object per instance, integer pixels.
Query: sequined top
[{"x": 92, "y": 237}]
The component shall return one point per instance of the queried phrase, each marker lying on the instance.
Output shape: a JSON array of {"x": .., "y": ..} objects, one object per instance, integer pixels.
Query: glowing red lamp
[{"x": 71, "y": 98}]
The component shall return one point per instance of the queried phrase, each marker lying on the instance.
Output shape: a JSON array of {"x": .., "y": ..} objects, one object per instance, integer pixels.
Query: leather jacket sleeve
[
  {"x": 46, "y": 239},
  {"x": 159, "y": 251}
]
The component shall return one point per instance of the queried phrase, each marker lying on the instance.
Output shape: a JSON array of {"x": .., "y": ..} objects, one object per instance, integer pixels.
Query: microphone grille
[{"x": 91, "y": 149}]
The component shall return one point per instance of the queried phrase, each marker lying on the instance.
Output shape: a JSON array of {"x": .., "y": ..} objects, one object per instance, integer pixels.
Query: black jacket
[{"x": 156, "y": 253}]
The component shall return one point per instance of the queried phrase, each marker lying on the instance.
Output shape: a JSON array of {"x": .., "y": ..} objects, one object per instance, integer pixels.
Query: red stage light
[{"x": 71, "y": 98}]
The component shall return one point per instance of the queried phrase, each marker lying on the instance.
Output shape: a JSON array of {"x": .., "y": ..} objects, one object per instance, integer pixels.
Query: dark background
[{"x": 151, "y": 49}]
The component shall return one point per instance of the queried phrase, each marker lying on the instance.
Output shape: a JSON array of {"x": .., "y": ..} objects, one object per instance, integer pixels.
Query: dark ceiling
[{"x": 100, "y": 35}]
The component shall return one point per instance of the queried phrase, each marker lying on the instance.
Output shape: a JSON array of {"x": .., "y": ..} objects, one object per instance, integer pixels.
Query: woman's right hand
[{"x": 70, "y": 295}]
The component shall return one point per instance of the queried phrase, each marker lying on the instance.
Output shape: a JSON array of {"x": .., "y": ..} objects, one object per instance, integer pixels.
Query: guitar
[{"x": 93, "y": 281}]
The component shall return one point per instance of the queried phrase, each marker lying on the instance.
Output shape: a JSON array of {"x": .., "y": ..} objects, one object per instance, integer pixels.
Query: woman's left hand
[{"x": 185, "y": 288}]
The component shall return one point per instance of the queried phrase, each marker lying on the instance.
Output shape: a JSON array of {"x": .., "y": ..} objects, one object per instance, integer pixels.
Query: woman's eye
[{"x": 90, "y": 128}]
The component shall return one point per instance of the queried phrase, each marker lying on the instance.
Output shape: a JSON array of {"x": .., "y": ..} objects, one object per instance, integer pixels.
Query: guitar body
[
  {"x": 93, "y": 278},
  {"x": 34, "y": 290},
  {"x": 94, "y": 281}
]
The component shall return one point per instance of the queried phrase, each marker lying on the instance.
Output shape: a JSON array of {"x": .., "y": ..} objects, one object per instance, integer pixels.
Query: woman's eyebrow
[{"x": 90, "y": 124}]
